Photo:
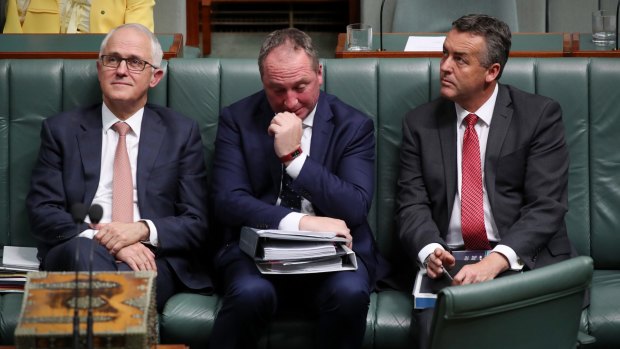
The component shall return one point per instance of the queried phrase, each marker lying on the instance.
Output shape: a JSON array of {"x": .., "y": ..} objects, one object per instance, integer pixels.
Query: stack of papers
[
  {"x": 16, "y": 263},
  {"x": 298, "y": 252},
  {"x": 295, "y": 249},
  {"x": 16, "y": 258}
]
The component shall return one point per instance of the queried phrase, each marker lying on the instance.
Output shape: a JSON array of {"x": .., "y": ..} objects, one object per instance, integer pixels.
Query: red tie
[
  {"x": 472, "y": 212},
  {"x": 122, "y": 184}
]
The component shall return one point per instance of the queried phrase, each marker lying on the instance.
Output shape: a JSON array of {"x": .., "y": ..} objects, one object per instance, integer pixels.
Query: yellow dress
[{"x": 44, "y": 16}]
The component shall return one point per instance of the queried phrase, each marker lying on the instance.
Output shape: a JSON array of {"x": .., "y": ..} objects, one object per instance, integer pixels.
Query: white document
[
  {"x": 425, "y": 44},
  {"x": 15, "y": 257}
]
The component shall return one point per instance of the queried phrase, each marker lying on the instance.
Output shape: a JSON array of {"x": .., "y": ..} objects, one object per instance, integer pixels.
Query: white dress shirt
[
  {"x": 454, "y": 238},
  {"x": 103, "y": 196}
]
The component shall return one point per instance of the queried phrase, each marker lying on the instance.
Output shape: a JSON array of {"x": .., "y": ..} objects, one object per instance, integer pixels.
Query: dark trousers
[
  {"x": 338, "y": 300},
  {"x": 62, "y": 258}
]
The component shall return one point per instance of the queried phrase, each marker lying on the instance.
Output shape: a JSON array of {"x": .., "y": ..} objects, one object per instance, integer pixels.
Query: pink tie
[
  {"x": 472, "y": 212},
  {"x": 122, "y": 185}
]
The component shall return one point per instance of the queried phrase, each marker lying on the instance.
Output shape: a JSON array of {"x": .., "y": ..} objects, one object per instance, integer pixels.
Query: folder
[
  {"x": 425, "y": 289},
  {"x": 297, "y": 252}
]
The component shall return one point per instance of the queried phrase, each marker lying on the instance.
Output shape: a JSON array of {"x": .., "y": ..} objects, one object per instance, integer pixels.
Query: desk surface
[
  {"x": 523, "y": 45},
  {"x": 583, "y": 46},
  {"x": 71, "y": 45}
]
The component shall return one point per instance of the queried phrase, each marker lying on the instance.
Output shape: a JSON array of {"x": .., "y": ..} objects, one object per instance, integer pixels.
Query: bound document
[
  {"x": 296, "y": 252},
  {"x": 425, "y": 289}
]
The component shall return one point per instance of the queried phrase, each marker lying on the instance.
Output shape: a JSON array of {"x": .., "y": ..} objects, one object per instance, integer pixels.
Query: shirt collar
[
  {"x": 485, "y": 112},
  {"x": 309, "y": 120},
  {"x": 108, "y": 119}
]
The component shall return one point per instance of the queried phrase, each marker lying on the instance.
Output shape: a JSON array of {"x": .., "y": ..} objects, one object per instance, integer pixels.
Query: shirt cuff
[
  {"x": 88, "y": 233},
  {"x": 427, "y": 250},
  {"x": 514, "y": 260},
  {"x": 153, "y": 237},
  {"x": 290, "y": 222},
  {"x": 294, "y": 168}
]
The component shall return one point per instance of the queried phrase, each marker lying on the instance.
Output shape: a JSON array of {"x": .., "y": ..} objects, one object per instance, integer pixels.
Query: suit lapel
[
  {"x": 446, "y": 125},
  {"x": 89, "y": 139},
  {"x": 152, "y": 133},
  {"x": 322, "y": 129},
  {"x": 266, "y": 142},
  {"x": 502, "y": 115}
]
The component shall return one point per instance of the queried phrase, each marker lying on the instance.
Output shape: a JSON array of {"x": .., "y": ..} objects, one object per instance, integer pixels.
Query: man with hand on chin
[{"x": 291, "y": 157}]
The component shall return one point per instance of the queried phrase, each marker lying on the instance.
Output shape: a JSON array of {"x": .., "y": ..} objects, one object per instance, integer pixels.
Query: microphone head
[
  {"x": 95, "y": 213},
  {"x": 78, "y": 212}
]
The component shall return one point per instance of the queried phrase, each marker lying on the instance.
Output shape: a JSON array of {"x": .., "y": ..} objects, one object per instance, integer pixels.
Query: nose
[
  {"x": 290, "y": 101},
  {"x": 122, "y": 68},
  {"x": 445, "y": 64}
]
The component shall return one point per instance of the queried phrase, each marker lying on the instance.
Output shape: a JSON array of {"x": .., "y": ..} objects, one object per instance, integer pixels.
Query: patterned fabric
[
  {"x": 472, "y": 211},
  {"x": 122, "y": 184},
  {"x": 289, "y": 198}
]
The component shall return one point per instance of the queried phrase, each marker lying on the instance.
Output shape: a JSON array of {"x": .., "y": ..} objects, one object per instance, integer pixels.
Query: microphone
[
  {"x": 381, "y": 26},
  {"x": 94, "y": 214},
  {"x": 78, "y": 213},
  {"x": 617, "y": 13}
]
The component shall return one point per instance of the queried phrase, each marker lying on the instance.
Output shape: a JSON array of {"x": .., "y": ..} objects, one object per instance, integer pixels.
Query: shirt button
[{"x": 102, "y": 12}]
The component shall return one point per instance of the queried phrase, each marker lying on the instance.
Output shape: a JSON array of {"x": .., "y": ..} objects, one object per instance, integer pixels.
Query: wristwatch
[{"x": 291, "y": 156}]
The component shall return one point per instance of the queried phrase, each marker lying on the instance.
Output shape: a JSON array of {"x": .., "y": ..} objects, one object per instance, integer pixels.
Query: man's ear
[
  {"x": 492, "y": 72},
  {"x": 156, "y": 78}
]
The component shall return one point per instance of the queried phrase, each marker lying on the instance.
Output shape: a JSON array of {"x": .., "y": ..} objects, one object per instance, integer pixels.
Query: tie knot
[
  {"x": 122, "y": 128},
  {"x": 471, "y": 120}
]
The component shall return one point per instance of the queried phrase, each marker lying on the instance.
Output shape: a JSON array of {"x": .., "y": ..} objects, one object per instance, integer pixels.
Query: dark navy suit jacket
[
  {"x": 171, "y": 183},
  {"x": 337, "y": 178}
]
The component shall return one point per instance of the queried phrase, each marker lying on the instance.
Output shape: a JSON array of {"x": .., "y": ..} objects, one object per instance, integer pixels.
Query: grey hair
[
  {"x": 295, "y": 38},
  {"x": 156, "y": 52}
]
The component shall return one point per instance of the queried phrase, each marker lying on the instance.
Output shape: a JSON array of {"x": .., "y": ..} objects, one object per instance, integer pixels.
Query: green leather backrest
[
  {"x": 31, "y": 90},
  {"x": 604, "y": 162},
  {"x": 537, "y": 309},
  {"x": 438, "y": 15}
]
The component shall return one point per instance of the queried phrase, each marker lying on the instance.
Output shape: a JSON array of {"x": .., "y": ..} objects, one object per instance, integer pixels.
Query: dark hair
[
  {"x": 295, "y": 38},
  {"x": 496, "y": 34}
]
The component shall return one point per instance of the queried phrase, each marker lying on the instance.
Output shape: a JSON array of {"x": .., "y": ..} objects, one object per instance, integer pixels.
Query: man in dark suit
[
  {"x": 162, "y": 226},
  {"x": 510, "y": 196},
  {"x": 326, "y": 148}
]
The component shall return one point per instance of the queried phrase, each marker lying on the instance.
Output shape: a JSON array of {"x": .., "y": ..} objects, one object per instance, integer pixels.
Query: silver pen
[{"x": 445, "y": 272}]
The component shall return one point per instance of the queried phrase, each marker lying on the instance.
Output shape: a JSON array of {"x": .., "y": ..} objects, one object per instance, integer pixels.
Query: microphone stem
[{"x": 381, "y": 26}]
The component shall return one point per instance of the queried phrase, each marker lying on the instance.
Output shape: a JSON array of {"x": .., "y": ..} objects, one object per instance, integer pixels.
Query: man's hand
[
  {"x": 115, "y": 236},
  {"x": 327, "y": 224},
  {"x": 438, "y": 261},
  {"x": 138, "y": 257},
  {"x": 487, "y": 269},
  {"x": 286, "y": 130}
]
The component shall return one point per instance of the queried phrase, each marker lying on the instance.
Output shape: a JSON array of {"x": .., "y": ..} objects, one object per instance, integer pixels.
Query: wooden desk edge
[
  {"x": 156, "y": 346},
  {"x": 174, "y": 50},
  {"x": 570, "y": 48}
]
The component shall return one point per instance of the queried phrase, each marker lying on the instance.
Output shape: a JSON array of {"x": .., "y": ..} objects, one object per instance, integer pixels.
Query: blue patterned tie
[{"x": 289, "y": 198}]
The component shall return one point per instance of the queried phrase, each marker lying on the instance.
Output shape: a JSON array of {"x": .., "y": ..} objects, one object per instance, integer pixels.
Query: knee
[
  {"x": 350, "y": 298},
  {"x": 252, "y": 294}
]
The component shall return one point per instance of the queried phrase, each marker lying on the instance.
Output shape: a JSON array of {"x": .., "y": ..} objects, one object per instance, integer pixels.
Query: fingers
[
  {"x": 138, "y": 257},
  {"x": 286, "y": 129}
]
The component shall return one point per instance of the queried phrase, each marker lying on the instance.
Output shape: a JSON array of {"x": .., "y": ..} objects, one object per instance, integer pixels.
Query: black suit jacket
[
  {"x": 170, "y": 179},
  {"x": 337, "y": 178},
  {"x": 525, "y": 173}
]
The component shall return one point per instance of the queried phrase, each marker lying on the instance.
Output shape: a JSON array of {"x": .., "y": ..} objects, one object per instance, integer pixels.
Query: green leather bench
[{"x": 31, "y": 90}]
